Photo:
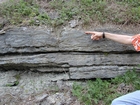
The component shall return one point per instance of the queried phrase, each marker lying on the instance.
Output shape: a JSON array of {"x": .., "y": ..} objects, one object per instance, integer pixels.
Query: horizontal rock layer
[
  {"x": 72, "y": 52},
  {"x": 37, "y": 40},
  {"x": 84, "y": 65}
]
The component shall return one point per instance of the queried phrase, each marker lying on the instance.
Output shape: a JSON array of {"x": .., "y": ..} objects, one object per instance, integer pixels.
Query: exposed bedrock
[{"x": 72, "y": 52}]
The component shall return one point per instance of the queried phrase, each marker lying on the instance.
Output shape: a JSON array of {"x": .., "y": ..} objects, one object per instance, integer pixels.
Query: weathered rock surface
[
  {"x": 69, "y": 51},
  {"x": 59, "y": 58},
  {"x": 36, "y": 40},
  {"x": 92, "y": 65},
  {"x": 35, "y": 88}
]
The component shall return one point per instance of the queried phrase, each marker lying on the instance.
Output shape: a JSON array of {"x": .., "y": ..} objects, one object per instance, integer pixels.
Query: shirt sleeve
[{"x": 136, "y": 42}]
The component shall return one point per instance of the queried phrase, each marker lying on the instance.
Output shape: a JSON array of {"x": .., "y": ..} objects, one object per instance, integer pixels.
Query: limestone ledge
[
  {"x": 31, "y": 40},
  {"x": 72, "y": 52},
  {"x": 78, "y": 66}
]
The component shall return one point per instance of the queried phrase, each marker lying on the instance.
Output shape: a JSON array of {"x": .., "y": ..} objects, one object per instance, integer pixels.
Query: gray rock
[
  {"x": 32, "y": 40},
  {"x": 22, "y": 41},
  {"x": 58, "y": 58},
  {"x": 40, "y": 97},
  {"x": 50, "y": 101},
  {"x": 79, "y": 41},
  {"x": 2, "y": 32},
  {"x": 98, "y": 71},
  {"x": 70, "y": 52},
  {"x": 73, "y": 23},
  {"x": 33, "y": 88},
  {"x": 59, "y": 99}
]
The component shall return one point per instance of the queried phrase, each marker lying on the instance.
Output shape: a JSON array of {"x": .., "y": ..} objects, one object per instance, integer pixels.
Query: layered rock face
[{"x": 71, "y": 52}]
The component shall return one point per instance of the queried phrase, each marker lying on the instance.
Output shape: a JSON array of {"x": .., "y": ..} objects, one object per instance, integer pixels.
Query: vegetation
[
  {"x": 28, "y": 12},
  {"x": 14, "y": 83},
  {"x": 22, "y": 12},
  {"x": 102, "y": 92}
]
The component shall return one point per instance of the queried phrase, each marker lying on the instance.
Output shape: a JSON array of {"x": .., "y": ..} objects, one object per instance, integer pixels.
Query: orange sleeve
[{"x": 136, "y": 42}]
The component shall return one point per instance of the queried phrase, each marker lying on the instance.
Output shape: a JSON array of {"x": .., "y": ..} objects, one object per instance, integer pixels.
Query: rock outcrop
[{"x": 72, "y": 52}]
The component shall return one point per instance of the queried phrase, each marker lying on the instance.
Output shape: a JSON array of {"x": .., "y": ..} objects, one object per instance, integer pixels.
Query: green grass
[
  {"x": 102, "y": 92},
  {"x": 27, "y": 12},
  {"x": 22, "y": 12},
  {"x": 102, "y": 11}
]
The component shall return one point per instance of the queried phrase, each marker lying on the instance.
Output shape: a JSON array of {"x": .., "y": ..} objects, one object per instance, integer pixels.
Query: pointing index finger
[{"x": 89, "y": 32}]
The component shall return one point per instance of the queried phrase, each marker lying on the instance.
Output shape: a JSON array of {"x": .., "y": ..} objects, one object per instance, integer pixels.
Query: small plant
[
  {"x": 104, "y": 91},
  {"x": 15, "y": 83}
]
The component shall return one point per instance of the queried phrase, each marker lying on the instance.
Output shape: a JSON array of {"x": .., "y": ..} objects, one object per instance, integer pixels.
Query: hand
[{"x": 95, "y": 35}]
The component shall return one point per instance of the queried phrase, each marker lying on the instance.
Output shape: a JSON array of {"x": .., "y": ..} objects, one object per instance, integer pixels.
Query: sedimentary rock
[{"x": 69, "y": 51}]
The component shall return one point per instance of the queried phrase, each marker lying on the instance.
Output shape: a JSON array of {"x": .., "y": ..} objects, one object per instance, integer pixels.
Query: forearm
[{"x": 124, "y": 39}]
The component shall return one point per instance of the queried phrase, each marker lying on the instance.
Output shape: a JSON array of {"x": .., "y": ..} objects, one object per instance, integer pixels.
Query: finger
[
  {"x": 95, "y": 38},
  {"x": 98, "y": 39},
  {"x": 89, "y": 32},
  {"x": 92, "y": 37}
]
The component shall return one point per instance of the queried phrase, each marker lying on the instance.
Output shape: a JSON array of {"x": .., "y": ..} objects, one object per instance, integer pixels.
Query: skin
[{"x": 124, "y": 39}]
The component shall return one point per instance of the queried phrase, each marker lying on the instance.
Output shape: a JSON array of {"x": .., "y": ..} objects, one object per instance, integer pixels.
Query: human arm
[{"x": 124, "y": 39}]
